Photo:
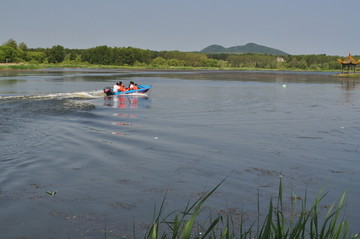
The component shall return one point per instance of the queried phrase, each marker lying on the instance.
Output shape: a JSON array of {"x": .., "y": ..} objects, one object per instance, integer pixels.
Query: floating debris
[{"x": 51, "y": 193}]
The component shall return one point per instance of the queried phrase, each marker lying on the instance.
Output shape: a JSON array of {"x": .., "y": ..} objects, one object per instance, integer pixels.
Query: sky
[{"x": 297, "y": 27}]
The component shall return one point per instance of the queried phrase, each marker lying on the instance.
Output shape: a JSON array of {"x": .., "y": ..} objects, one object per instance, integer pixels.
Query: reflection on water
[
  {"x": 348, "y": 84},
  {"x": 127, "y": 102},
  {"x": 124, "y": 125},
  {"x": 130, "y": 116}
]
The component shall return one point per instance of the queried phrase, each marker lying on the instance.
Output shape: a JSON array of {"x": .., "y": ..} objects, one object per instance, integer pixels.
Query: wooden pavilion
[{"x": 348, "y": 62}]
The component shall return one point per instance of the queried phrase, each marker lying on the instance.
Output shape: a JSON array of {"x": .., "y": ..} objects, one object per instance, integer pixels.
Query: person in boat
[
  {"x": 116, "y": 87},
  {"x": 121, "y": 87},
  {"x": 131, "y": 85},
  {"x": 135, "y": 87}
]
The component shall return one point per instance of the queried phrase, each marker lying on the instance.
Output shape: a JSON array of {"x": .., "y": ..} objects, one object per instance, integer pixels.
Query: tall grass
[
  {"x": 306, "y": 222},
  {"x": 20, "y": 67}
]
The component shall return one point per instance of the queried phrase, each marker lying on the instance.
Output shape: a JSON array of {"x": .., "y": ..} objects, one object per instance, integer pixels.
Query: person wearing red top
[{"x": 121, "y": 87}]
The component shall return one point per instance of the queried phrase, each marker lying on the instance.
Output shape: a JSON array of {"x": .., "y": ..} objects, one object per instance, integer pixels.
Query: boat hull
[{"x": 142, "y": 90}]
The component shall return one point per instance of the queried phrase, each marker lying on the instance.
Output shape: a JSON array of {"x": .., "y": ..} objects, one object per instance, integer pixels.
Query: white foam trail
[{"x": 81, "y": 94}]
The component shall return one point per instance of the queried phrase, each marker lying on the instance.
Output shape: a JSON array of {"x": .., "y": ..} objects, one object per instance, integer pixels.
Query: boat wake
[{"x": 81, "y": 94}]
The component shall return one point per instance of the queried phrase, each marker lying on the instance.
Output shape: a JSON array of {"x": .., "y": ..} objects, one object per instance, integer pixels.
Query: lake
[{"x": 112, "y": 160}]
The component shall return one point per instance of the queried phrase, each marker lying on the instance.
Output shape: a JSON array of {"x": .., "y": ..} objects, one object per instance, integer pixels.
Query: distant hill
[{"x": 248, "y": 48}]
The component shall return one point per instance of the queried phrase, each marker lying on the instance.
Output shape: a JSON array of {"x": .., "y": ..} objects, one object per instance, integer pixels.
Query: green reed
[{"x": 306, "y": 222}]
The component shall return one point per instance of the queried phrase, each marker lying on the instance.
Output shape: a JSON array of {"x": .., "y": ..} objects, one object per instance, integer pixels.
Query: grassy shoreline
[
  {"x": 348, "y": 75},
  {"x": 27, "y": 66}
]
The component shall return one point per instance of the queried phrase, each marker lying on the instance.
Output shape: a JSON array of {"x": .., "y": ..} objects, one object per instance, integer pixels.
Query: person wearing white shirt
[
  {"x": 116, "y": 87},
  {"x": 131, "y": 86}
]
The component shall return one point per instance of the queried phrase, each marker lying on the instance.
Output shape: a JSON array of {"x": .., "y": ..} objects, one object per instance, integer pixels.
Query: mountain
[
  {"x": 214, "y": 49},
  {"x": 248, "y": 48}
]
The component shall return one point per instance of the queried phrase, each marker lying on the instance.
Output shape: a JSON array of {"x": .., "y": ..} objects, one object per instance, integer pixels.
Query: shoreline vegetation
[
  {"x": 283, "y": 219},
  {"x": 29, "y": 66},
  {"x": 14, "y": 56},
  {"x": 348, "y": 75}
]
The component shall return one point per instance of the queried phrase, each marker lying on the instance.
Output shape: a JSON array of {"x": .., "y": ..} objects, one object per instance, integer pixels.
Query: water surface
[{"x": 111, "y": 159}]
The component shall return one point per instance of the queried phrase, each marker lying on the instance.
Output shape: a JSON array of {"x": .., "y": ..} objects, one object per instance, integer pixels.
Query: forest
[{"x": 13, "y": 52}]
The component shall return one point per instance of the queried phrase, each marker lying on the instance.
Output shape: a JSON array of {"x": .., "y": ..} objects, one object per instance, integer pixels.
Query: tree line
[{"x": 12, "y": 52}]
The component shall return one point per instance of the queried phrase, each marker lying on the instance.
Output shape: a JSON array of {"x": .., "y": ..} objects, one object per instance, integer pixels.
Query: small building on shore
[{"x": 348, "y": 63}]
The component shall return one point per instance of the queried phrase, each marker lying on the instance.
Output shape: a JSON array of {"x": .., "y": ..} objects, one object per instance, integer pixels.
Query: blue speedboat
[{"x": 142, "y": 89}]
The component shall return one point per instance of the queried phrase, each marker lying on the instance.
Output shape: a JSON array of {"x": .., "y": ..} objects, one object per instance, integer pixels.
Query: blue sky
[{"x": 295, "y": 26}]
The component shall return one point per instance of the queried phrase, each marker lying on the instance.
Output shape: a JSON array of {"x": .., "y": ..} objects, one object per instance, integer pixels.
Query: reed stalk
[{"x": 303, "y": 223}]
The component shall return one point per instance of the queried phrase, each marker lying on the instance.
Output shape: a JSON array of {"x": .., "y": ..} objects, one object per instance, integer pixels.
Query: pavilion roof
[{"x": 349, "y": 60}]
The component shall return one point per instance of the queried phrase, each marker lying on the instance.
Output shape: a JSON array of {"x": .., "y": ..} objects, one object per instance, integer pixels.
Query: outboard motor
[{"x": 108, "y": 91}]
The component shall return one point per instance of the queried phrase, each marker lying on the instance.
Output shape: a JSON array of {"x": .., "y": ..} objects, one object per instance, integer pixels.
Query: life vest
[
  {"x": 122, "y": 88},
  {"x": 135, "y": 87}
]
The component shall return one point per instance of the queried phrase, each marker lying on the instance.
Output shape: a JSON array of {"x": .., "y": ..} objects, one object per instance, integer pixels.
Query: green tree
[
  {"x": 175, "y": 62},
  {"x": 334, "y": 65},
  {"x": 292, "y": 62},
  {"x": 314, "y": 67},
  {"x": 2, "y": 56},
  {"x": 98, "y": 55},
  {"x": 218, "y": 56},
  {"x": 9, "y": 54},
  {"x": 67, "y": 59},
  {"x": 11, "y": 43},
  {"x": 78, "y": 59},
  {"x": 159, "y": 61},
  {"x": 195, "y": 59},
  {"x": 325, "y": 66},
  {"x": 211, "y": 63},
  {"x": 302, "y": 64},
  {"x": 36, "y": 57},
  {"x": 22, "y": 46},
  {"x": 56, "y": 54}
]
